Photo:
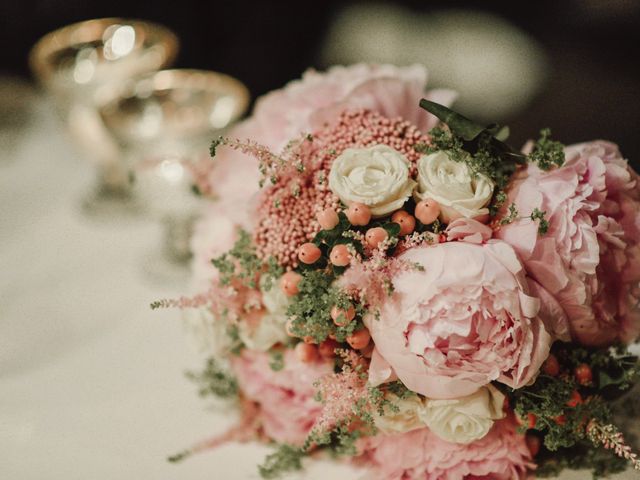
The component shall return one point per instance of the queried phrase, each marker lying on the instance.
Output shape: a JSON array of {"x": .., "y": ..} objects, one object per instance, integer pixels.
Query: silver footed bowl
[{"x": 163, "y": 123}]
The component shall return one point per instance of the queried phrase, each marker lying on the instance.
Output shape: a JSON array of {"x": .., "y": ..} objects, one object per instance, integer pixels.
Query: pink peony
[
  {"x": 286, "y": 401},
  {"x": 589, "y": 260},
  {"x": 419, "y": 454},
  {"x": 467, "y": 319}
]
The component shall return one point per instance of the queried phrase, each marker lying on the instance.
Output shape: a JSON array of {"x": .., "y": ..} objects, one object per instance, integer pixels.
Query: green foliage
[
  {"x": 310, "y": 309},
  {"x": 499, "y": 199},
  {"x": 543, "y": 223},
  {"x": 242, "y": 262},
  {"x": 214, "y": 380},
  {"x": 511, "y": 216},
  {"x": 547, "y": 153},
  {"x": 214, "y": 146},
  {"x": 234, "y": 336},
  {"x": 581, "y": 456},
  {"x": 482, "y": 148},
  {"x": 561, "y": 422},
  {"x": 285, "y": 459}
]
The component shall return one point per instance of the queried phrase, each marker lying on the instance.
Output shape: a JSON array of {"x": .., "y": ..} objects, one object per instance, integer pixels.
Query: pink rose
[
  {"x": 463, "y": 322},
  {"x": 286, "y": 401},
  {"x": 419, "y": 454},
  {"x": 589, "y": 259}
]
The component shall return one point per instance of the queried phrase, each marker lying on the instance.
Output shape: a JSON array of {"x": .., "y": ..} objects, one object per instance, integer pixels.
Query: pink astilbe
[
  {"x": 247, "y": 429},
  {"x": 272, "y": 167},
  {"x": 183, "y": 302},
  {"x": 370, "y": 279},
  {"x": 612, "y": 439},
  {"x": 340, "y": 392}
]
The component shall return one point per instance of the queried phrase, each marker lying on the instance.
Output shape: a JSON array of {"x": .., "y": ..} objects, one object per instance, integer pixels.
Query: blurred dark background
[{"x": 586, "y": 50}]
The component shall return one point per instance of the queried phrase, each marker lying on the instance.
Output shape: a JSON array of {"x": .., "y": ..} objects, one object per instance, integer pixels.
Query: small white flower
[
  {"x": 466, "y": 419},
  {"x": 451, "y": 184},
  {"x": 263, "y": 330},
  {"x": 210, "y": 333},
  {"x": 406, "y": 419},
  {"x": 377, "y": 176}
]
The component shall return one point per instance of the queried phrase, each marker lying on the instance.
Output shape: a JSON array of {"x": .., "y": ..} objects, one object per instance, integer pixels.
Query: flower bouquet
[{"x": 386, "y": 280}]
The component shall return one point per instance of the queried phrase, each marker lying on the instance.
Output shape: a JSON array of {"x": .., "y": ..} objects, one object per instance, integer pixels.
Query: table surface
[{"x": 91, "y": 380}]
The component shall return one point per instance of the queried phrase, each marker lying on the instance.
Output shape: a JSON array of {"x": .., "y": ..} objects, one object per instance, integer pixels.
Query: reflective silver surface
[
  {"x": 164, "y": 123},
  {"x": 75, "y": 64},
  {"x": 174, "y": 106},
  {"x": 78, "y": 59}
]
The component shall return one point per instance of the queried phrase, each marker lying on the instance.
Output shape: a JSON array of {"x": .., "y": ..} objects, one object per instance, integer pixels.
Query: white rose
[
  {"x": 264, "y": 329},
  {"x": 406, "y": 419},
  {"x": 209, "y": 332},
  {"x": 451, "y": 184},
  {"x": 377, "y": 176},
  {"x": 465, "y": 419}
]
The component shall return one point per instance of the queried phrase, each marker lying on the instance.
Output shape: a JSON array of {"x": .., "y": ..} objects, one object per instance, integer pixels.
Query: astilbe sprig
[
  {"x": 272, "y": 167},
  {"x": 247, "y": 429},
  {"x": 341, "y": 392},
  {"x": 350, "y": 405},
  {"x": 240, "y": 263},
  {"x": 612, "y": 439}
]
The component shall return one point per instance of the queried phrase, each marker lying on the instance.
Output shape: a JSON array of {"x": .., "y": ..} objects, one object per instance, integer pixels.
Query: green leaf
[
  {"x": 392, "y": 228},
  {"x": 465, "y": 128}
]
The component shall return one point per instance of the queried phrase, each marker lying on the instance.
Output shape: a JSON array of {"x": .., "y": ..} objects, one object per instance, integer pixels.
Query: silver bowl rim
[{"x": 60, "y": 37}]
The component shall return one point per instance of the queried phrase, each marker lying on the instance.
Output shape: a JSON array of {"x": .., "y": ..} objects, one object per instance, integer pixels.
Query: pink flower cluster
[
  {"x": 287, "y": 409},
  {"x": 448, "y": 312},
  {"x": 419, "y": 454},
  {"x": 303, "y": 106}
]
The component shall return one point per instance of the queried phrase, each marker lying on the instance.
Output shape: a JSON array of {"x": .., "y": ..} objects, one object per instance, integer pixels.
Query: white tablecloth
[{"x": 91, "y": 380}]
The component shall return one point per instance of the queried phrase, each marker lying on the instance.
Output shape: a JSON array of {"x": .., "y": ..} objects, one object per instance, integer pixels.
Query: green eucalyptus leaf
[
  {"x": 392, "y": 228},
  {"x": 460, "y": 125}
]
